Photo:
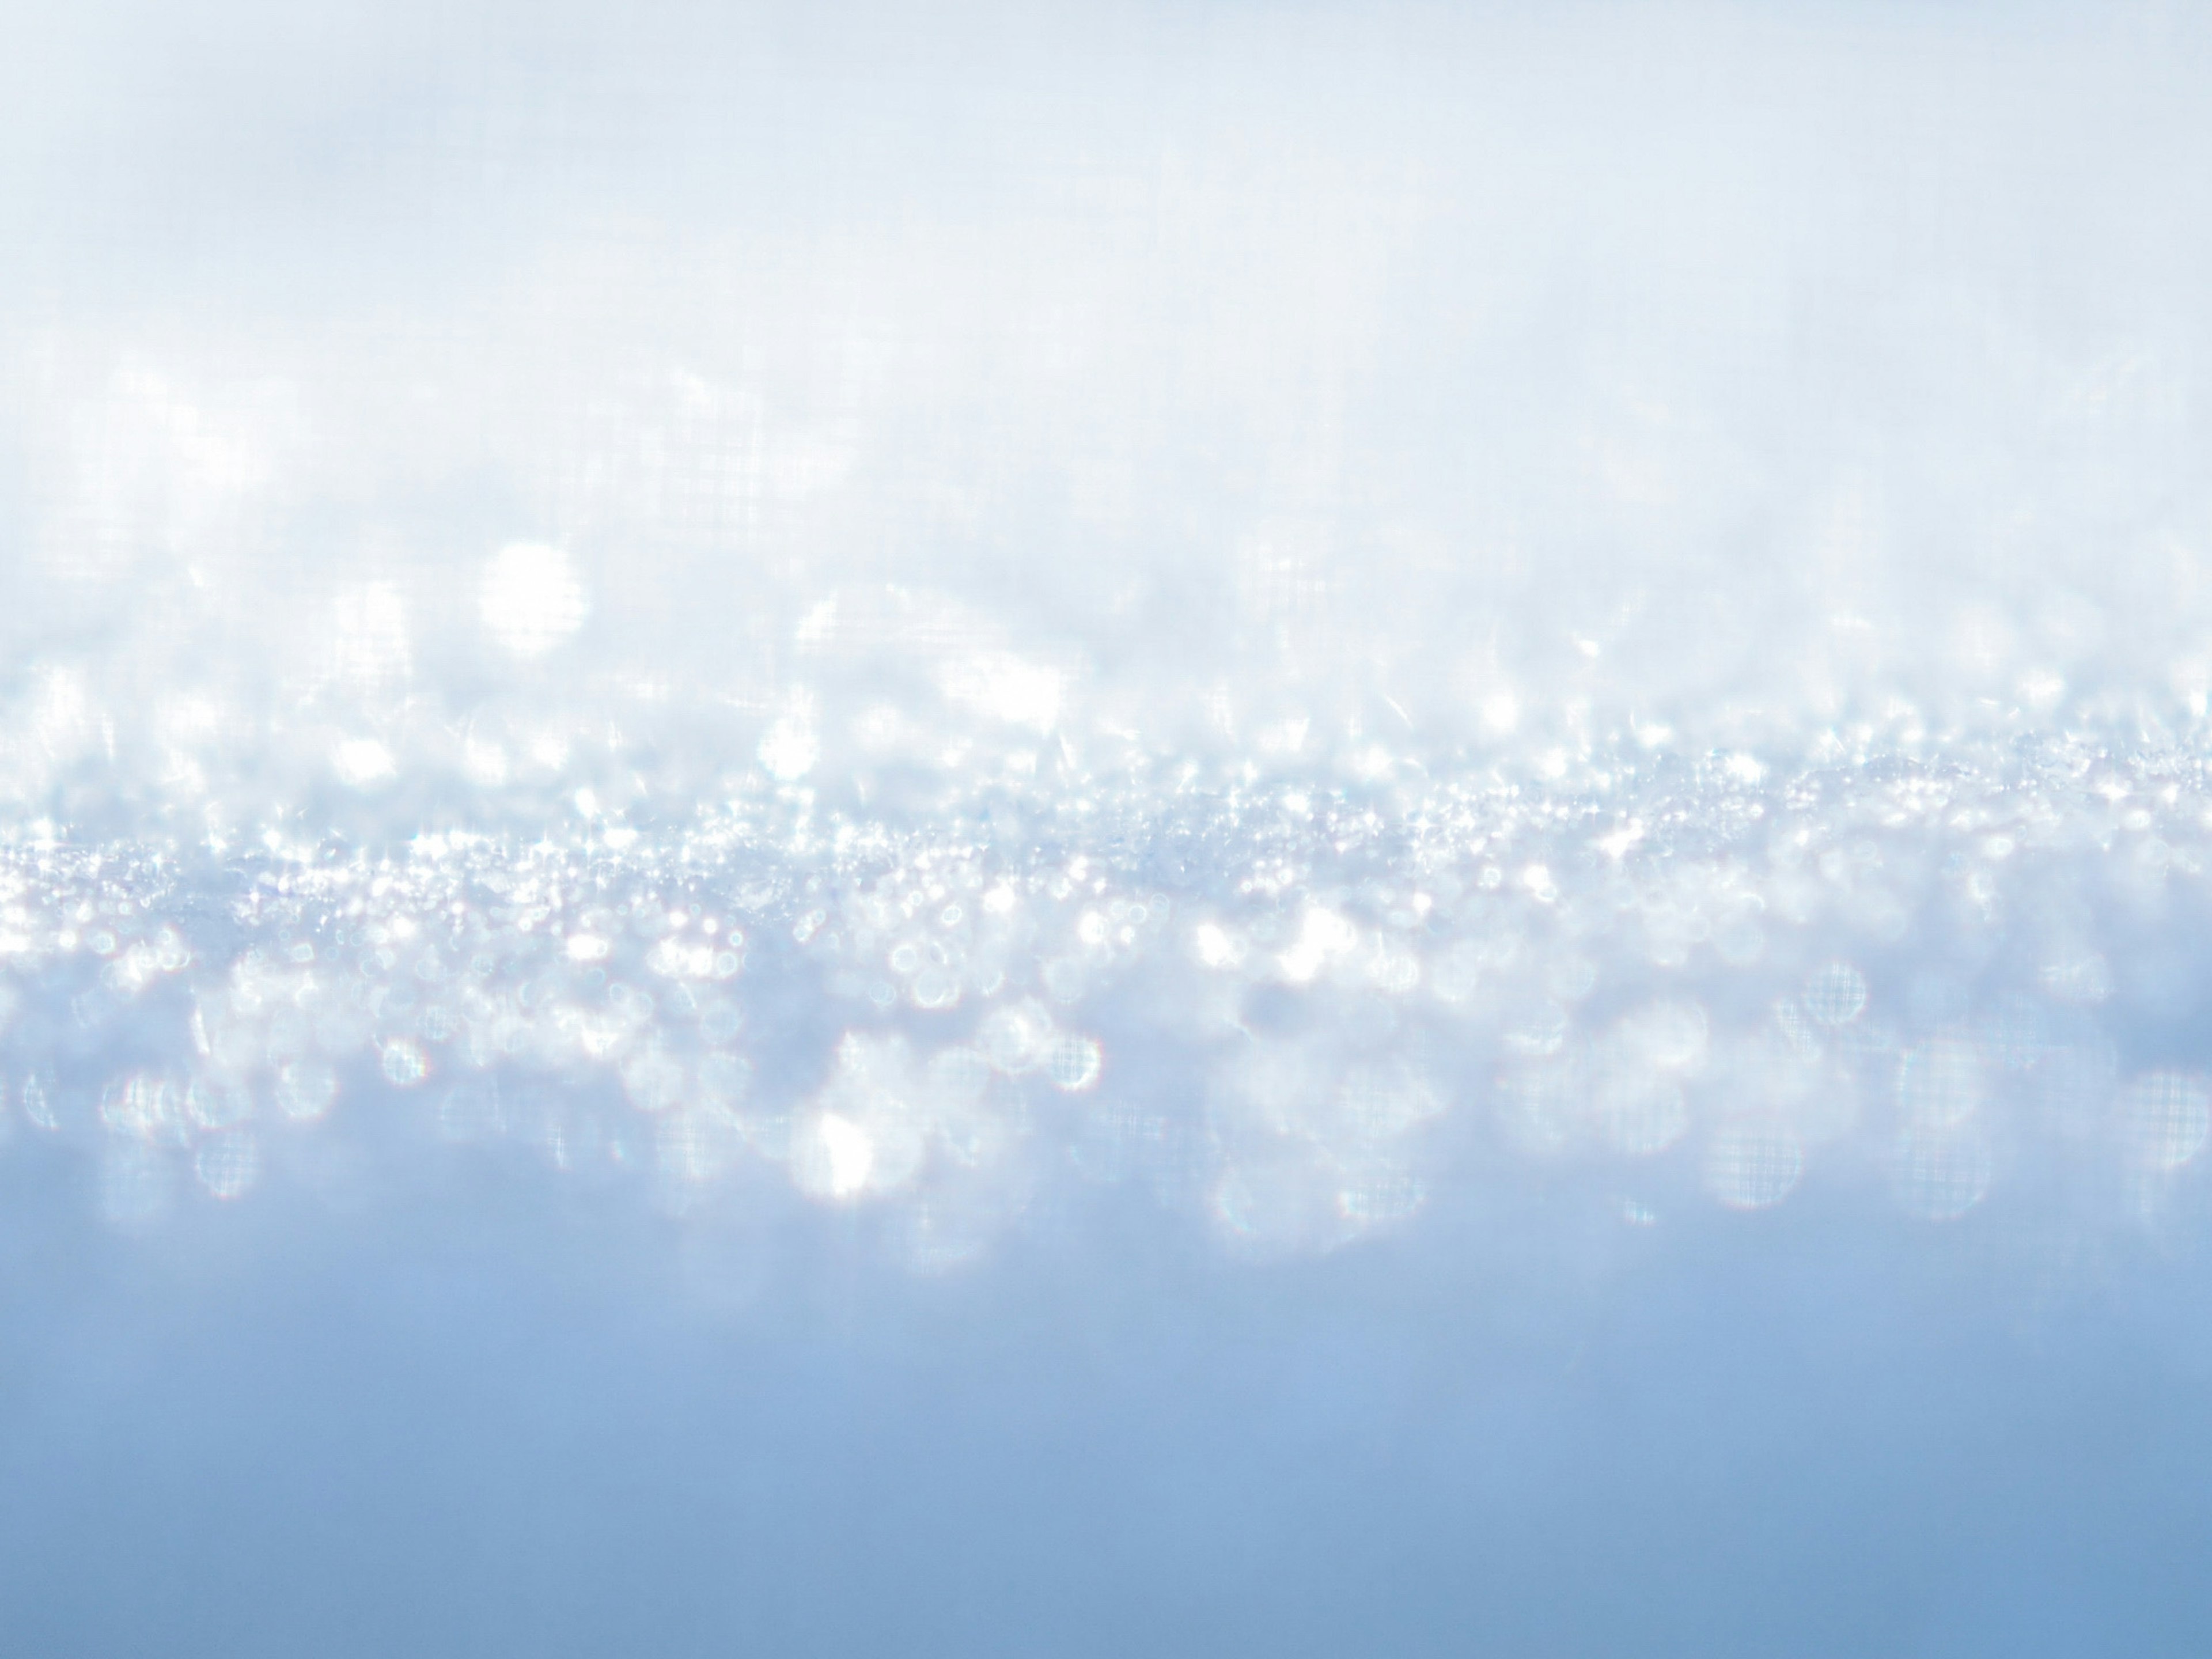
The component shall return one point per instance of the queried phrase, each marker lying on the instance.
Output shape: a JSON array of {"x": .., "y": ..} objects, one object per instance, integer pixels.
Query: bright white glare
[
  {"x": 363, "y": 762},
  {"x": 848, "y": 1155},
  {"x": 1211, "y": 943},
  {"x": 789, "y": 748},
  {"x": 530, "y": 599},
  {"x": 1005, "y": 687},
  {"x": 1323, "y": 936}
]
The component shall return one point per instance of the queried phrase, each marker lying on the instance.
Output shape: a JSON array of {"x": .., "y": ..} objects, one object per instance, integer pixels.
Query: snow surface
[{"x": 1033, "y": 830}]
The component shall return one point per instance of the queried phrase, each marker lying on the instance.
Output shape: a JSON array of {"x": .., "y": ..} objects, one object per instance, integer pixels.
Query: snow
[{"x": 1332, "y": 828}]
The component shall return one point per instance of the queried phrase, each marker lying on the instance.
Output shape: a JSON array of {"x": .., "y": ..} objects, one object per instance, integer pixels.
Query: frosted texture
[{"x": 1460, "y": 760}]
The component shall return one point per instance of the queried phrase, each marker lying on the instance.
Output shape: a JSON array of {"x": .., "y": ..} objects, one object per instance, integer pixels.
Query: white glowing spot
[
  {"x": 587, "y": 947},
  {"x": 530, "y": 599},
  {"x": 1000, "y": 900},
  {"x": 789, "y": 749},
  {"x": 1616, "y": 845},
  {"x": 405, "y": 1063},
  {"x": 1000, "y": 685},
  {"x": 849, "y": 1152},
  {"x": 1323, "y": 936},
  {"x": 2041, "y": 690},
  {"x": 1090, "y": 927},
  {"x": 1746, "y": 770},
  {"x": 1211, "y": 943},
  {"x": 1536, "y": 881},
  {"x": 362, "y": 762},
  {"x": 675, "y": 958},
  {"x": 1500, "y": 712},
  {"x": 1753, "y": 1164},
  {"x": 1370, "y": 761}
]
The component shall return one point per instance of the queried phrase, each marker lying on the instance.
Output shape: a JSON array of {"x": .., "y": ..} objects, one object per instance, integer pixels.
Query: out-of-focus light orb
[
  {"x": 305, "y": 1090},
  {"x": 1213, "y": 945},
  {"x": 1074, "y": 1063},
  {"x": 836, "y": 1159},
  {"x": 229, "y": 1163},
  {"x": 1323, "y": 935},
  {"x": 530, "y": 599},
  {"x": 142, "y": 1103},
  {"x": 1006, "y": 686},
  {"x": 406, "y": 1065},
  {"x": 1670, "y": 1035},
  {"x": 1836, "y": 994},
  {"x": 1015, "y": 1039},
  {"x": 790, "y": 749},
  {"x": 362, "y": 763},
  {"x": 1753, "y": 1164}
]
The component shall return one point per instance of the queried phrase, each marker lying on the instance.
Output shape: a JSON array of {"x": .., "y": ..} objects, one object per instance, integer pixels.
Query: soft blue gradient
[{"x": 1034, "y": 830}]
